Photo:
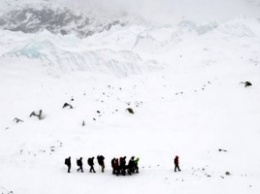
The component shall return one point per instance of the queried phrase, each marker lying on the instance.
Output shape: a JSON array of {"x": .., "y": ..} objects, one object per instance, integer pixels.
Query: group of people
[
  {"x": 118, "y": 165},
  {"x": 90, "y": 161}
]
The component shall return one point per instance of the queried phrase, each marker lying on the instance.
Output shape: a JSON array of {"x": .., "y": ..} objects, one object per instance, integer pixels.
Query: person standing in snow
[
  {"x": 101, "y": 162},
  {"x": 68, "y": 163},
  {"x": 117, "y": 169},
  {"x": 136, "y": 168},
  {"x": 80, "y": 165},
  {"x": 122, "y": 165},
  {"x": 91, "y": 164},
  {"x": 115, "y": 166},
  {"x": 131, "y": 165},
  {"x": 176, "y": 164}
]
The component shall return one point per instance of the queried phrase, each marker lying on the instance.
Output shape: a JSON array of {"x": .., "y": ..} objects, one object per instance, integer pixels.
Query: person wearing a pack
[
  {"x": 91, "y": 164},
  {"x": 113, "y": 166},
  {"x": 131, "y": 165},
  {"x": 80, "y": 165},
  {"x": 122, "y": 165},
  {"x": 176, "y": 164},
  {"x": 120, "y": 159},
  {"x": 101, "y": 162},
  {"x": 136, "y": 168},
  {"x": 68, "y": 163},
  {"x": 117, "y": 169}
]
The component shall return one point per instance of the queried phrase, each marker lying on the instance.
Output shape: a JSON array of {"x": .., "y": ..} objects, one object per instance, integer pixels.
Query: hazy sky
[
  {"x": 174, "y": 10},
  {"x": 166, "y": 11}
]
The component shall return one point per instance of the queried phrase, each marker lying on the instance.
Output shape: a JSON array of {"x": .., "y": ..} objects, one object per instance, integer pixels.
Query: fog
[{"x": 169, "y": 11}]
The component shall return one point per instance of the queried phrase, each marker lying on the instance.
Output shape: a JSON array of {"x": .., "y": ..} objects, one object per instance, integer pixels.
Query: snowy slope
[{"x": 183, "y": 81}]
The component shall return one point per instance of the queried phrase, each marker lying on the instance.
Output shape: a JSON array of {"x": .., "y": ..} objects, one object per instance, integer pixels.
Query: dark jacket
[
  {"x": 100, "y": 160},
  {"x": 91, "y": 161},
  {"x": 176, "y": 161}
]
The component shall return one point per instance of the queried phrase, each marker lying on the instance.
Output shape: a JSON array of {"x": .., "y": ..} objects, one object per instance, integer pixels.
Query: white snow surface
[{"x": 184, "y": 82}]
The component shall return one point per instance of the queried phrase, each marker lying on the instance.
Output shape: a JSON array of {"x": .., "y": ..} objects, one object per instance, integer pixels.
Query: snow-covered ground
[{"x": 184, "y": 83}]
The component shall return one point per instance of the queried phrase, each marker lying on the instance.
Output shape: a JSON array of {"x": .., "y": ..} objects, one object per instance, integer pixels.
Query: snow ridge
[{"x": 71, "y": 54}]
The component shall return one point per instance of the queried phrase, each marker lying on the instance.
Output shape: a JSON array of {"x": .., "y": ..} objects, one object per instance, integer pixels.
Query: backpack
[
  {"x": 89, "y": 162},
  {"x": 100, "y": 160},
  {"x": 78, "y": 162},
  {"x": 66, "y": 161}
]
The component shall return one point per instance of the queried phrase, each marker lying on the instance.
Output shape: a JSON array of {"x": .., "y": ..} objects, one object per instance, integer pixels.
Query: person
[
  {"x": 176, "y": 164},
  {"x": 131, "y": 165},
  {"x": 80, "y": 165},
  {"x": 101, "y": 162},
  {"x": 68, "y": 163},
  {"x": 122, "y": 165},
  {"x": 113, "y": 165},
  {"x": 136, "y": 168},
  {"x": 91, "y": 164}
]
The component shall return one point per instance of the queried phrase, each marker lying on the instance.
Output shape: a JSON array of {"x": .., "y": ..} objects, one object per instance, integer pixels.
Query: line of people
[
  {"x": 90, "y": 161},
  {"x": 118, "y": 165}
]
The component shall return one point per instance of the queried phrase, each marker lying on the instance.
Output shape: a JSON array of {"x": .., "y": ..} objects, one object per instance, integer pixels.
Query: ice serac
[{"x": 63, "y": 54}]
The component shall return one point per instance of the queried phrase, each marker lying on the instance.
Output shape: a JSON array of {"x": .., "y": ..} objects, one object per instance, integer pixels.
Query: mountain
[
  {"x": 30, "y": 19},
  {"x": 54, "y": 35},
  {"x": 180, "y": 66},
  {"x": 85, "y": 18}
]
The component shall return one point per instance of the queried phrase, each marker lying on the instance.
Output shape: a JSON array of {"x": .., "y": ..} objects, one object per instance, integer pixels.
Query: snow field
[{"x": 183, "y": 83}]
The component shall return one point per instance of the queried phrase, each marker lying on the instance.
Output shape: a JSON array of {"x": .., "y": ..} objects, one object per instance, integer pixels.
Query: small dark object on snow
[
  {"x": 17, "y": 120},
  {"x": 247, "y": 83},
  {"x": 67, "y": 105},
  {"x": 39, "y": 115},
  {"x": 130, "y": 110},
  {"x": 228, "y": 173},
  {"x": 222, "y": 150}
]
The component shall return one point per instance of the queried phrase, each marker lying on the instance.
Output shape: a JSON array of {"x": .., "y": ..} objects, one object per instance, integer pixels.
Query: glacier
[{"x": 180, "y": 65}]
